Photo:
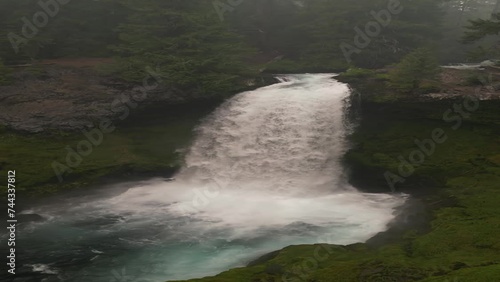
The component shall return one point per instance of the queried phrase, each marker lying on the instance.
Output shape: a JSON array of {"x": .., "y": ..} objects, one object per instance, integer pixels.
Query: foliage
[
  {"x": 328, "y": 24},
  {"x": 480, "y": 30},
  {"x": 416, "y": 67},
  {"x": 147, "y": 144},
  {"x": 429, "y": 86},
  {"x": 285, "y": 66},
  {"x": 308, "y": 33},
  {"x": 76, "y": 29},
  {"x": 311, "y": 32},
  {"x": 458, "y": 14},
  {"x": 358, "y": 72},
  {"x": 354, "y": 75},
  {"x": 483, "y": 52},
  {"x": 193, "y": 51},
  {"x": 474, "y": 78}
]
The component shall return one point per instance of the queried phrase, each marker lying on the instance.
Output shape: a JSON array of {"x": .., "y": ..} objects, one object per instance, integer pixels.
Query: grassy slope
[
  {"x": 459, "y": 183},
  {"x": 146, "y": 144}
]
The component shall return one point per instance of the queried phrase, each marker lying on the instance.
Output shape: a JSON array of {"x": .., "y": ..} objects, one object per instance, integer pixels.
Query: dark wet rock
[
  {"x": 73, "y": 99},
  {"x": 67, "y": 99},
  {"x": 413, "y": 215}
]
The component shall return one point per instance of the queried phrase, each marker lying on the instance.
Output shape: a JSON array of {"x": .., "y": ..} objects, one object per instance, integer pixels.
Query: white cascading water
[{"x": 264, "y": 172}]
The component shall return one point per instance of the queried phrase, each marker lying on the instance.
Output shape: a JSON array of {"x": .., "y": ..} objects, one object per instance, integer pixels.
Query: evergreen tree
[
  {"x": 192, "y": 47},
  {"x": 331, "y": 28},
  {"x": 414, "y": 68},
  {"x": 478, "y": 30}
]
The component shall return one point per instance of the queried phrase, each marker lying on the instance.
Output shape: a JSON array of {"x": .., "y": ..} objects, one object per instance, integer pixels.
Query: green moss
[
  {"x": 428, "y": 86},
  {"x": 358, "y": 73},
  {"x": 476, "y": 274},
  {"x": 148, "y": 144}
]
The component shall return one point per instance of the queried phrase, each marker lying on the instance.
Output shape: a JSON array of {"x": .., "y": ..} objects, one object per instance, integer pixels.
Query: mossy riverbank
[
  {"x": 148, "y": 143},
  {"x": 63, "y": 98},
  {"x": 451, "y": 235}
]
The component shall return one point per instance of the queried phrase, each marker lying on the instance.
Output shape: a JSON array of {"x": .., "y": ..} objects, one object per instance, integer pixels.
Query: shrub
[
  {"x": 416, "y": 67},
  {"x": 429, "y": 87},
  {"x": 473, "y": 79}
]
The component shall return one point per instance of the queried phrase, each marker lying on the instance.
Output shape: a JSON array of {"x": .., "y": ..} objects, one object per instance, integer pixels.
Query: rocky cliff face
[{"x": 61, "y": 97}]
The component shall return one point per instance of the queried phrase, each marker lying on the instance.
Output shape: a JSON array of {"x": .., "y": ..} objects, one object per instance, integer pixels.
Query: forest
[
  {"x": 250, "y": 140},
  {"x": 215, "y": 43}
]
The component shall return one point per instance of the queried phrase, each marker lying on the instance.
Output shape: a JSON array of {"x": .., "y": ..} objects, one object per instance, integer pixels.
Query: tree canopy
[{"x": 206, "y": 45}]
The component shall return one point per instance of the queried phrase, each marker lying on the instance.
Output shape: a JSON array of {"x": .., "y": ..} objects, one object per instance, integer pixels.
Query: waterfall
[
  {"x": 264, "y": 172},
  {"x": 286, "y": 138}
]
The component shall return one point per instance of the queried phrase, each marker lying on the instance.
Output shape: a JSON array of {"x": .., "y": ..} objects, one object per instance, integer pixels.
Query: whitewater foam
[{"x": 268, "y": 158}]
